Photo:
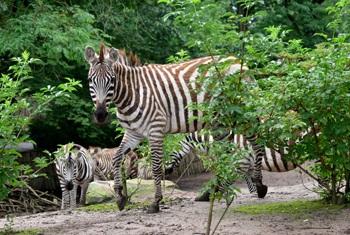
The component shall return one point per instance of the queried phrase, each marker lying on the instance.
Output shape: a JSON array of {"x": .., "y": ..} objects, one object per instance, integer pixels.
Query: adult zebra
[
  {"x": 74, "y": 168},
  {"x": 103, "y": 160},
  {"x": 272, "y": 160},
  {"x": 250, "y": 164},
  {"x": 151, "y": 101}
]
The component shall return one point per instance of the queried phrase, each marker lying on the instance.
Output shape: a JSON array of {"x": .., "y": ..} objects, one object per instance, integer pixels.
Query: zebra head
[
  {"x": 66, "y": 165},
  {"x": 101, "y": 79},
  {"x": 68, "y": 170}
]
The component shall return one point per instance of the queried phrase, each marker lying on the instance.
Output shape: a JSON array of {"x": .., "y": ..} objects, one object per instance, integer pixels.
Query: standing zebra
[
  {"x": 273, "y": 159},
  {"x": 151, "y": 101},
  {"x": 103, "y": 160},
  {"x": 75, "y": 168},
  {"x": 246, "y": 165}
]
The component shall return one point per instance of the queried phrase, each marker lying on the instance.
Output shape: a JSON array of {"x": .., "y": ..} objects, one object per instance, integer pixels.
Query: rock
[
  {"x": 99, "y": 191},
  {"x": 102, "y": 191}
]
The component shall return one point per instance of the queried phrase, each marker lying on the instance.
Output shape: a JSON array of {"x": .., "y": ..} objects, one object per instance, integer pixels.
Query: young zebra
[
  {"x": 151, "y": 101},
  {"x": 74, "y": 168},
  {"x": 103, "y": 160}
]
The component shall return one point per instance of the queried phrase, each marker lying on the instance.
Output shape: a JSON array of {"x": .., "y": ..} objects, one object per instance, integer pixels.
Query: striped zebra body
[
  {"x": 272, "y": 160},
  {"x": 151, "y": 101},
  {"x": 103, "y": 160},
  {"x": 138, "y": 168},
  {"x": 75, "y": 168},
  {"x": 247, "y": 164}
]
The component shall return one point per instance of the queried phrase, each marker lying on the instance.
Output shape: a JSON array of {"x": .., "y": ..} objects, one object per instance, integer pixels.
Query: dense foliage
[{"x": 294, "y": 89}]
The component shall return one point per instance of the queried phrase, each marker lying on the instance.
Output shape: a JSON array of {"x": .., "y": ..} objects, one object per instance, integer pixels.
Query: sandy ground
[{"x": 184, "y": 216}]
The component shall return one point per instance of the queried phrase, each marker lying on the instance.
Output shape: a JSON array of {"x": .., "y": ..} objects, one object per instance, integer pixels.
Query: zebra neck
[{"x": 127, "y": 87}]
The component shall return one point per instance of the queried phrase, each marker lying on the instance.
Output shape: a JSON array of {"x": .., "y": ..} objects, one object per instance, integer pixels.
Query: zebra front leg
[
  {"x": 65, "y": 199},
  {"x": 84, "y": 189},
  {"x": 118, "y": 186},
  {"x": 157, "y": 150},
  {"x": 73, "y": 197},
  {"x": 129, "y": 142}
]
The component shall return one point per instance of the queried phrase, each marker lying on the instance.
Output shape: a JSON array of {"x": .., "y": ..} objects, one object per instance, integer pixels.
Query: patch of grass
[
  {"x": 293, "y": 207},
  {"x": 30, "y": 231},
  {"x": 99, "y": 207},
  {"x": 113, "y": 206},
  {"x": 137, "y": 205}
]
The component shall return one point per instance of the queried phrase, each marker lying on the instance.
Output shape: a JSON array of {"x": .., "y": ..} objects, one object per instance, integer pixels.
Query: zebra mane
[{"x": 128, "y": 60}]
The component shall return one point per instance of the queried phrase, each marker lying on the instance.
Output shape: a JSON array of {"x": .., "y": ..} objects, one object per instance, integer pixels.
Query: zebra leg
[
  {"x": 73, "y": 197},
  {"x": 65, "y": 199},
  {"x": 257, "y": 175},
  {"x": 257, "y": 178},
  {"x": 187, "y": 144},
  {"x": 129, "y": 142},
  {"x": 250, "y": 184},
  {"x": 84, "y": 189},
  {"x": 157, "y": 149}
]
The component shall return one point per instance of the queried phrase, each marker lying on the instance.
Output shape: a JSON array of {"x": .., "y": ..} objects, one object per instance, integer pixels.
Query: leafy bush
[
  {"x": 314, "y": 83},
  {"x": 14, "y": 124}
]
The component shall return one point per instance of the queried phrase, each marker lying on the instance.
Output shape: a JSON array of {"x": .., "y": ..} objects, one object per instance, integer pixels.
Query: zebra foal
[
  {"x": 151, "y": 101},
  {"x": 74, "y": 168}
]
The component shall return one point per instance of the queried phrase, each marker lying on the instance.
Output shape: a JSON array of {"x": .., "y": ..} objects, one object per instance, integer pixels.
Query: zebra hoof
[
  {"x": 262, "y": 191},
  {"x": 153, "y": 208},
  {"x": 121, "y": 202},
  {"x": 205, "y": 197}
]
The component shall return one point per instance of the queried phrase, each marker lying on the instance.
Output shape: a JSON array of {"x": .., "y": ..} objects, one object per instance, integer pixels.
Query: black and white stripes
[{"x": 151, "y": 101}]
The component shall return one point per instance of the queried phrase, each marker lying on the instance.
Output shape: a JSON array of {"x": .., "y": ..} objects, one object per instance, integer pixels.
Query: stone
[{"x": 102, "y": 191}]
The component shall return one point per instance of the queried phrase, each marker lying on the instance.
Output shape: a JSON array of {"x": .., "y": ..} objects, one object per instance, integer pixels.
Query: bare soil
[{"x": 182, "y": 215}]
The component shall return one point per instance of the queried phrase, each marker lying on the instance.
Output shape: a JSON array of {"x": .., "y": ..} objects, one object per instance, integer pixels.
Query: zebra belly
[{"x": 275, "y": 162}]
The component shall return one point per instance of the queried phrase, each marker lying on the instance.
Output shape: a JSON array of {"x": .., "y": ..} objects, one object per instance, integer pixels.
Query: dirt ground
[{"x": 184, "y": 216}]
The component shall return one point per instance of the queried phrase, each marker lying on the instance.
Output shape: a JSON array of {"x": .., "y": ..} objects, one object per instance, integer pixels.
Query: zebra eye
[
  {"x": 113, "y": 78},
  {"x": 90, "y": 79}
]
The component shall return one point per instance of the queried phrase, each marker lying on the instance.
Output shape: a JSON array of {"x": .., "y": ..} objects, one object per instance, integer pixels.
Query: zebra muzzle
[
  {"x": 101, "y": 113},
  {"x": 69, "y": 185}
]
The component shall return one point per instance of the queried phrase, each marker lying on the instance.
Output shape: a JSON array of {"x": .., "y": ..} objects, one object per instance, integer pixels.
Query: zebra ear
[
  {"x": 113, "y": 54},
  {"x": 79, "y": 154},
  {"x": 90, "y": 55}
]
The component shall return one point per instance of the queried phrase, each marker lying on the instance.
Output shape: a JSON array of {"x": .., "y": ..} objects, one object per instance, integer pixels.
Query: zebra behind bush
[
  {"x": 273, "y": 159},
  {"x": 74, "y": 168},
  {"x": 151, "y": 101}
]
